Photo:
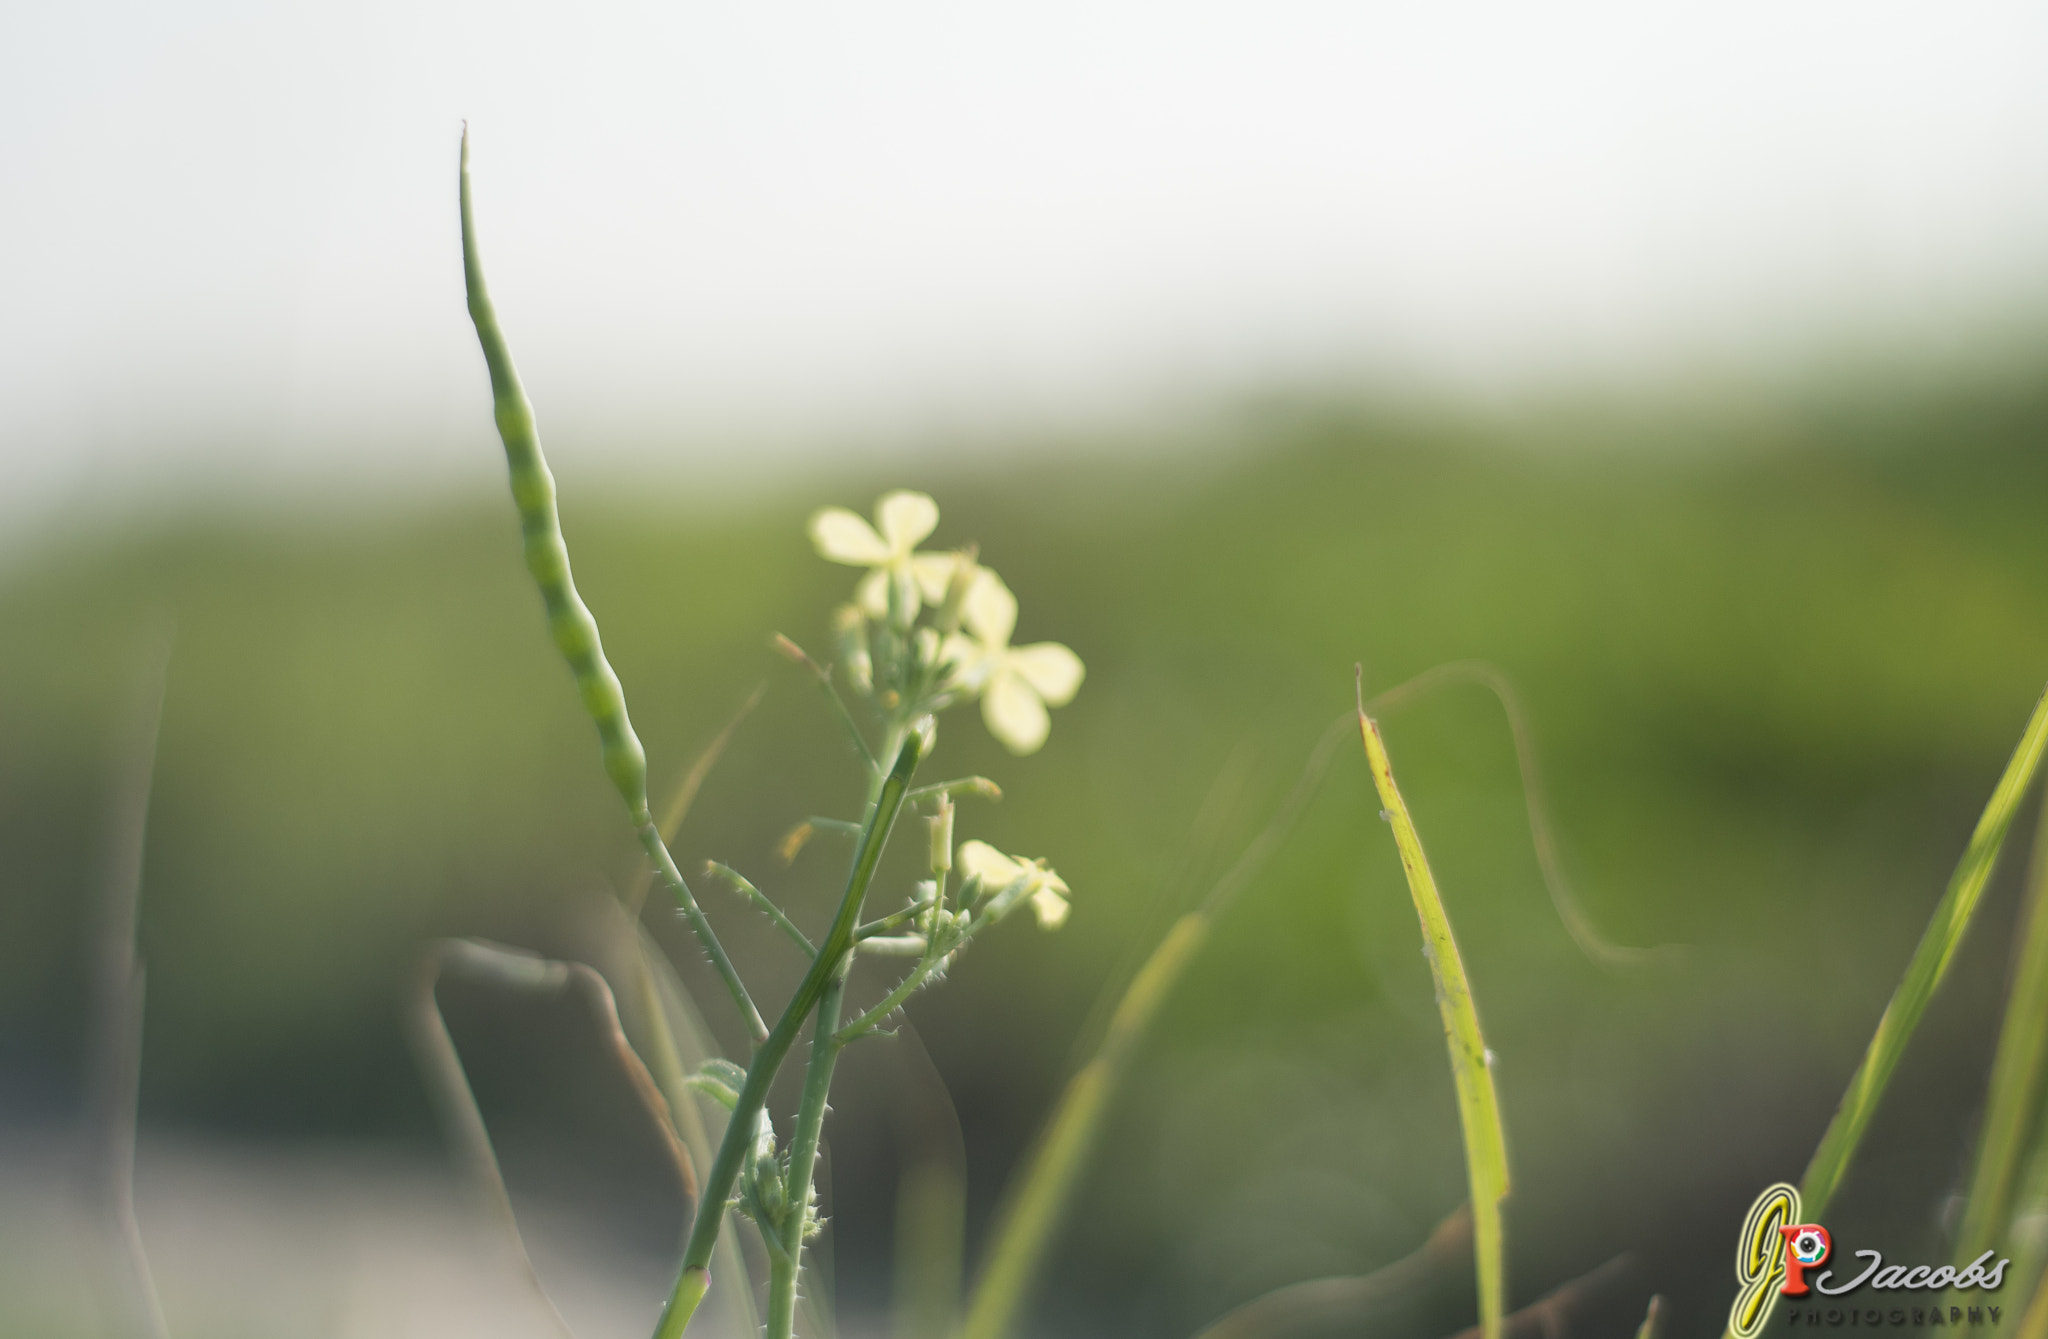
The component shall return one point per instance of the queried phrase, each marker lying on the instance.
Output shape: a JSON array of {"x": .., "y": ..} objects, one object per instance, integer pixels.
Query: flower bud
[{"x": 941, "y": 825}]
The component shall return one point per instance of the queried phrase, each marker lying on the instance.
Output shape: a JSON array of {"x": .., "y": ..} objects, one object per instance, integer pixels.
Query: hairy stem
[
  {"x": 672, "y": 878},
  {"x": 803, "y": 1152},
  {"x": 744, "y": 886},
  {"x": 768, "y": 1057}
]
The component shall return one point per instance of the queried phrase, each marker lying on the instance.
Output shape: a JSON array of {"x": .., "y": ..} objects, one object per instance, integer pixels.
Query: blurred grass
[{"x": 1774, "y": 656}]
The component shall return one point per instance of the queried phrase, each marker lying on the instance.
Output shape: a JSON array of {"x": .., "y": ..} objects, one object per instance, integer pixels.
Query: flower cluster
[{"x": 925, "y": 630}]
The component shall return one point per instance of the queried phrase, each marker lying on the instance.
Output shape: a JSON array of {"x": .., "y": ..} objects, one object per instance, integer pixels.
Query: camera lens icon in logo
[{"x": 1806, "y": 1245}]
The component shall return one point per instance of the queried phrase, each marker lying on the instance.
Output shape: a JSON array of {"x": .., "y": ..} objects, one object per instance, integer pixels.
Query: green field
[{"x": 1774, "y": 653}]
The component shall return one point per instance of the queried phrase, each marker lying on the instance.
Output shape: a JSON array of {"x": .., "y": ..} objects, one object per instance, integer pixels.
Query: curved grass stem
[{"x": 517, "y": 970}]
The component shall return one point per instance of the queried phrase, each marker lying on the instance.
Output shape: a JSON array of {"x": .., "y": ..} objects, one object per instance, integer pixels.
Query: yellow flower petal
[
  {"x": 970, "y": 664},
  {"x": 977, "y": 859},
  {"x": 1014, "y": 713},
  {"x": 1050, "y": 907},
  {"x": 1050, "y": 668},
  {"x": 845, "y": 538},
  {"x": 934, "y": 572},
  {"x": 991, "y": 609},
  {"x": 905, "y": 519}
]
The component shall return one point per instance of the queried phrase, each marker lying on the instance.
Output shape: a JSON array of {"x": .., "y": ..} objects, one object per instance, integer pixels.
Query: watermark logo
[
  {"x": 1760, "y": 1256},
  {"x": 1776, "y": 1252},
  {"x": 1806, "y": 1245}
]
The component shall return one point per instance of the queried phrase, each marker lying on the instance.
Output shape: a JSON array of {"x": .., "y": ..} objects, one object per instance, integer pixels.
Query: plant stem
[
  {"x": 894, "y": 919},
  {"x": 803, "y": 1153},
  {"x": 665, "y": 867},
  {"x": 895, "y": 999},
  {"x": 745, "y": 888},
  {"x": 823, "y": 678},
  {"x": 768, "y": 1057}
]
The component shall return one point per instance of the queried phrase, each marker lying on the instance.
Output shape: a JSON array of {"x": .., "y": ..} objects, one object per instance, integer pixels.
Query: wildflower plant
[{"x": 923, "y": 632}]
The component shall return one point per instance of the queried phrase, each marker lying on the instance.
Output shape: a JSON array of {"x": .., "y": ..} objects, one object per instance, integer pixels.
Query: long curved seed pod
[
  {"x": 569, "y": 620},
  {"x": 547, "y": 557}
]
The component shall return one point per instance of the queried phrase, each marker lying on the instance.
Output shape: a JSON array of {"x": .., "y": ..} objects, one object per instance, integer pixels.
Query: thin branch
[
  {"x": 1589, "y": 939},
  {"x": 929, "y": 963},
  {"x": 823, "y": 677},
  {"x": 799, "y": 836},
  {"x": 686, "y": 902},
  {"x": 119, "y": 985},
  {"x": 742, "y": 885},
  {"x": 516, "y": 970},
  {"x": 978, "y": 786},
  {"x": 448, "y": 1085},
  {"x": 894, "y": 919}
]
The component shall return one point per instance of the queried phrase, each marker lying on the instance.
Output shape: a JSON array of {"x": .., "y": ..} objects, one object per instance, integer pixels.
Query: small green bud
[
  {"x": 720, "y": 1080},
  {"x": 941, "y": 825}
]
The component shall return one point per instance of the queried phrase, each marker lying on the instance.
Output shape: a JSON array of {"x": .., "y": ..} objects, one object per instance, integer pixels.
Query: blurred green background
[{"x": 1775, "y": 652}]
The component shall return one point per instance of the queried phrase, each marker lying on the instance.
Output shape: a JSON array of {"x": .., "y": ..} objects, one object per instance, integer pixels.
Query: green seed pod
[{"x": 547, "y": 557}]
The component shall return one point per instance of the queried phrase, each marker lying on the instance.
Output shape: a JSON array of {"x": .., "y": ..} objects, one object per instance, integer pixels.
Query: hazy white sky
[{"x": 230, "y": 230}]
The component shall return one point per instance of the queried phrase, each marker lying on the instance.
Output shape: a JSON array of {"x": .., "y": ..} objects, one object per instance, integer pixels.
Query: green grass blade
[
  {"x": 2034, "y": 1321},
  {"x": 1040, "y": 1191},
  {"x": 1653, "y": 1319},
  {"x": 1486, "y": 1150},
  {"x": 2025, "y": 1237},
  {"x": 2017, "y": 1069},
  {"x": 1924, "y": 973},
  {"x": 1048, "y": 1178}
]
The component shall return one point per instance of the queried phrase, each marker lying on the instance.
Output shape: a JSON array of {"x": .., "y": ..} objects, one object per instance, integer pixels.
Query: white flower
[
  {"x": 1016, "y": 683},
  {"x": 1030, "y": 878},
  {"x": 904, "y": 518}
]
